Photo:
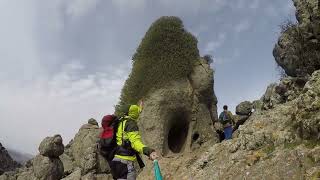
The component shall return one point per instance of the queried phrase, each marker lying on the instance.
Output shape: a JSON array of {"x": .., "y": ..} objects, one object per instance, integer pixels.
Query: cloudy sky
[{"x": 63, "y": 62}]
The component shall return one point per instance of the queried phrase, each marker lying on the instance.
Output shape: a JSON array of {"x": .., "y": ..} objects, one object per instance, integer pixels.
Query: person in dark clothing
[{"x": 226, "y": 119}]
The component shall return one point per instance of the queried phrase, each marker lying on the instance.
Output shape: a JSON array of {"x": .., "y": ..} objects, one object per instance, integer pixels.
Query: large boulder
[
  {"x": 244, "y": 108},
  {"x": 52, "y": 146},
  {"x": 180, "y": 115},
  {"x": 46, "y": 168},
  {"x": 82, "y": 151},
  {"x": 297, "y": 50}
]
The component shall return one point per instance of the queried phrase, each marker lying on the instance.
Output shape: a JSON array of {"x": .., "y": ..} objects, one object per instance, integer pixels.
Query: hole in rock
[
  {"x": 195, "y": 136},
  {"x": 178, "y": 134}
]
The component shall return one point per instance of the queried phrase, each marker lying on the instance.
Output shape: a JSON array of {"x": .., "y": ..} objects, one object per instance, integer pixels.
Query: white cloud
[
  {"x": 79, "y": 8},
  {"x": 242, "y": 26},
  {"x": 57, "y": 105},
  {"x": 271, "y": 11},
  {"x": 254, "y": 4},
  {"x": 129, "y": 4},
  {"x": 215, "y": 44},
  {"x": 289, "y": 8}
]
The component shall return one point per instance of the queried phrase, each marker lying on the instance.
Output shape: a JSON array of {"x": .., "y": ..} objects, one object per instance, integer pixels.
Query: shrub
[{"x": 167, "y": 52}]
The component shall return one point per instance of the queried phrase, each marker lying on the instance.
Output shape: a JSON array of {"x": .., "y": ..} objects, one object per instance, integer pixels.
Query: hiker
[
  {"x": 129, "y": 147},
  {"x": 226, "y": 119}
]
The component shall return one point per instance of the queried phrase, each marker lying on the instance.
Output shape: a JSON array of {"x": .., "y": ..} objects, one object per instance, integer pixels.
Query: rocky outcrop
[
  {"x": 6, "y": 162},
  {"x": 179, "y": 116},
  {"x": 244, "y": 108},
  {"x": 79, "y": 160},
  {"x": 51, "y": 146},
  {"x": 288, "y": 89},
  {"x": 81, "y": 155},
  {"x": 45, "y": 166},
  {"x": 243, "y": 112},
  {"x": 278, "y": 143},
  {"x": 306, "y": 113},
  {"x": 297, "y": 50}
]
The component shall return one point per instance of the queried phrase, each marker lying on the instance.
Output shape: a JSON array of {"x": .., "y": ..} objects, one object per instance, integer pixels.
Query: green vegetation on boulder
[{"x": 167, "y": 52}]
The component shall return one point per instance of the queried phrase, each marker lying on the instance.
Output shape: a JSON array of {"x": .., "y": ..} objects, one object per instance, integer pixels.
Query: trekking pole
[{"x": 157, "y": 172}]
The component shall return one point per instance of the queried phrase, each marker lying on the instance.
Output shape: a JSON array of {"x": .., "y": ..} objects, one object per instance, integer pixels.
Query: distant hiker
[
  {"x": 226, "y": 119},
  {"x": 128, "y": 146}
]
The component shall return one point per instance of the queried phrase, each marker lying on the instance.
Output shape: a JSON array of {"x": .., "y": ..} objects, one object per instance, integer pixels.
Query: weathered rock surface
[
  {"x": 76, "y": 175},
  {"x": 6, "y": 162},
  {"x": 84, "y": 152},
  {"x": 287, "y": 89},
  {"x": 46, "y": 168},
  {"x": 297, "y": 50},
  {"x": 239, "y": 120},
  {"x": 244, "y": 108},
  {"x": 51, "y": 146},
  {"x": 180, "y": 115},
  {"x": 279, "y": 143}
]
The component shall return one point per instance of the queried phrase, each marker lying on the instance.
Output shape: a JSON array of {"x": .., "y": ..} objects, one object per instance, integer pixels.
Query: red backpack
[{"x": 107, "y": 142}]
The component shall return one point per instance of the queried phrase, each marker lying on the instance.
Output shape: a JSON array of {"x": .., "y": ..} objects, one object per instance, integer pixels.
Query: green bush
[{"x": 167, "y": 52}]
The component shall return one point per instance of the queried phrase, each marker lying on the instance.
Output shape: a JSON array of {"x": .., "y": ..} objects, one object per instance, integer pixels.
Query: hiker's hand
[{"x": 153, "y": 156}]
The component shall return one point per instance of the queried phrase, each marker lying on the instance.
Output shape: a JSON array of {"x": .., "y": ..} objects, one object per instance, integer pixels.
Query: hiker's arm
[{"x": 135, "y": 139}]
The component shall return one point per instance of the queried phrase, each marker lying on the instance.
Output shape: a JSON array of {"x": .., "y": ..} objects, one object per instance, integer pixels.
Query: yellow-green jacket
[{"x": 129, "y": 138}]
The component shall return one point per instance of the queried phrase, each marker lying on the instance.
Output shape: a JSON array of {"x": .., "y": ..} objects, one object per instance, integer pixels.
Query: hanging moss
[{"x": 167, "y": 52}]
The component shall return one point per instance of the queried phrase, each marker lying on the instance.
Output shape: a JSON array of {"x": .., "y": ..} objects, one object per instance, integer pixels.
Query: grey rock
[
  {"x": 104, "y": 177},
  {"x": 177, "y": 117},
  {"x": 89, "y": 176},
  {"x": 257, "y": 105},
  {"x": 51, "y": 146},
  {"x": 46, "y": 168},
  {"x": 93, "y": 122},
  {"x": 76, "y": 175},
  {"x": 68, "y": 163},
  {"x": 296, "y": 50},
  {"x": 83, "y": 150},
  {"x": 244, "y": 108},
  {"x": 27, "y": 175},
  {"x": 239, "y": 120}
]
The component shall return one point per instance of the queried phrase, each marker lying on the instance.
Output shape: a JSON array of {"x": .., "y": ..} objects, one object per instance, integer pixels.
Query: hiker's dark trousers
[{"x": 122, "y": 169}]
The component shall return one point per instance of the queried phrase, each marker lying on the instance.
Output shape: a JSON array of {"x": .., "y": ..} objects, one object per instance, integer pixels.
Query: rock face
[
  {"x": 45, "y": 166},
  {"x": 288, "y": 89},
  {"x": 179, "y": 116},
  {"x": 81, "y": 155},
  {"x": 6, "y": 162},
  {"x": 297, "y": 50},
  {"x": 244, "y": 108},
  {"x": 51, "y": 146},
  {"x": 278, "y": 143}
]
